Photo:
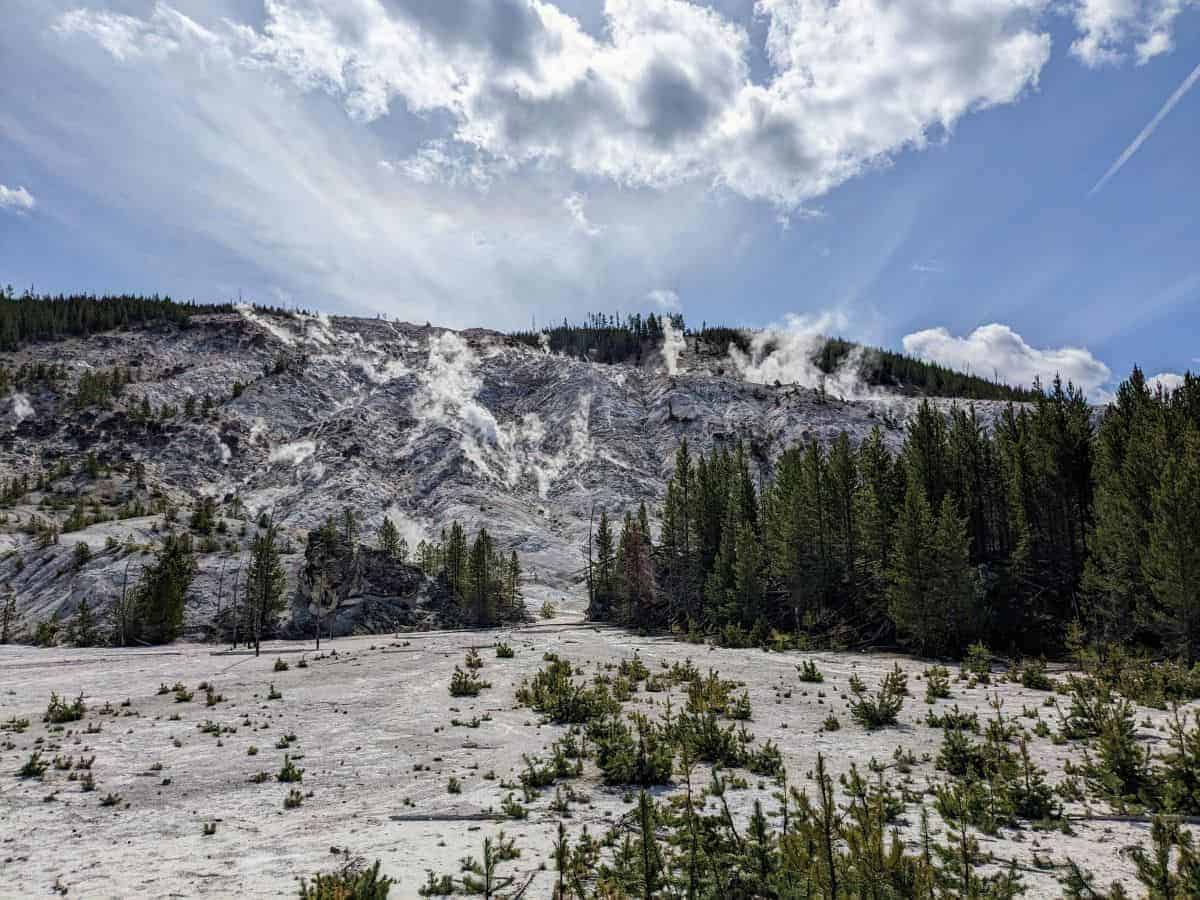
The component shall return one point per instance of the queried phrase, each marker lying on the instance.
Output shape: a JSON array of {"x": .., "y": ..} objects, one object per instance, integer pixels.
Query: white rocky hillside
[{"x": 422, "y": 424}]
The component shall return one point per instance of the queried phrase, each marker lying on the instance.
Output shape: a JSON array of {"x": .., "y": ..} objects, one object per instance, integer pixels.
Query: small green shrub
[
  {"x": 35, "y": 766},
  {"x": 880, "y": 709},
  {"x": 810, "y": 673},
  {"x": 1033, "y": 675},
  {"x": 937, "y": 683},
  {"x": 58, "y": 711},
  {"x": 289, "y": 773},
  {"x": 466, "y": 684},
  {"x": 352, "y": 882},
  {"x": 978, "y": 663}
]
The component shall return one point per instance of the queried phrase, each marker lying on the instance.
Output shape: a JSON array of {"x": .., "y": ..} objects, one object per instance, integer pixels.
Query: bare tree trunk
[
  {"x": 220, "y": 586},
  {"x": 590, "y": 584},
  {"x": 236, "y": 615},
  {"x": 122, "y": 618}
]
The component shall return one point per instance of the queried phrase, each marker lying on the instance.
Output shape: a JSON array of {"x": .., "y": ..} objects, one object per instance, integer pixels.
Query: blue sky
[{"x": 911, "y": 173}]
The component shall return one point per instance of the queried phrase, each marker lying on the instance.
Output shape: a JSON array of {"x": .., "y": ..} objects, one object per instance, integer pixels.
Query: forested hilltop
[
  {"x": 638, "y": 339},
  {"x": 34, "y": 317},
  {"x": 601, "y": 338},
  {"x": 1033, "y": 536}
]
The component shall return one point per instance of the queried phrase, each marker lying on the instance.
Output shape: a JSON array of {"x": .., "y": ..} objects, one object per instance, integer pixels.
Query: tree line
[
  {"x": 1041, "y": 529},
  {"x": 604, "y": 338},
  {"x": 28, "y": 317},
  {"x": 631, "y": 339},
  {"x": 151, "y": 603}
]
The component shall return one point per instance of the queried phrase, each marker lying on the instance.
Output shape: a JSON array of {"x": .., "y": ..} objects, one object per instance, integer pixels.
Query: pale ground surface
[{"x": 363, "y": 720}]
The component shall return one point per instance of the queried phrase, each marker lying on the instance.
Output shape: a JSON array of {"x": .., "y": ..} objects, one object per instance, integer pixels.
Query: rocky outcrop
[{"x": 369, "y": 592}]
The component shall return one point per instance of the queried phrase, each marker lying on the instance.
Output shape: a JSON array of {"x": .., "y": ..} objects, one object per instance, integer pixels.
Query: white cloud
[
  {"x": 1168, "y": 381},
  {"x": 996, "y": 351},
  {"x": 665, "y": 96},
  {"x": 485, "y": 115},
  {"x": 1111, "y": 30},
  {"x": 436, "y": 162},
  {"x": 574, "y": 205},
  {"x": 665, "y": 298},
  {"x": 16, "y": 198},
  {"x": 164, "y": 32}
]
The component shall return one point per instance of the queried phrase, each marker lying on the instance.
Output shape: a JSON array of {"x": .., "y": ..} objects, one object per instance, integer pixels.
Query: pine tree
[
  {"x": 637, "y": 589},
  {"x": 389, "y": 537},
  {"x": 1173, "y": 556},
  {"x": 513, "y": 582},
  {"x": 265, "y": 582},
  {"x": 604, "y": 576},
  {"x": 159, "y": 596},
  {"x": 748, "y": 592},
  {"x": 455, "y": 559},
  {"x": 481, "y": 579},
  {"x": 85, "y": 625},
  {"x": 8, "y": 614},
  {"x": 1125, "y": 480}
]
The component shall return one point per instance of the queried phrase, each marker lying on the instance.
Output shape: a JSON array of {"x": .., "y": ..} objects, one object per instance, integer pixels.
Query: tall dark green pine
[
  {"x": 604, "y": 570},
  {"x": 1126, "y": 477},
  {"x": 455, "y": 558},
  {"x": 481, "y": 578},
  {"x": 932, "y": 587},
  {"x": 1173, "y": 557},
  {"x": 159, "y": 597}
]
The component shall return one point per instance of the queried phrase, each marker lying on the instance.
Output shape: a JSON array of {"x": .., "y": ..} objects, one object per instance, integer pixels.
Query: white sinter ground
[{"x": 364, "y": 722}]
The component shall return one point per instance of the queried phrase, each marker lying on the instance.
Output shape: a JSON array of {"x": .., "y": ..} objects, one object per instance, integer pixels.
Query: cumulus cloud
[
  {"x": 996, "y": 351},
  {"x": 17, "y": 199},
  {"x": 1168, "y": 381},
  {"x": 1110, "y": 31},
  {"x": 485, "y": 115},
  {"x": 664, "y": 96}
]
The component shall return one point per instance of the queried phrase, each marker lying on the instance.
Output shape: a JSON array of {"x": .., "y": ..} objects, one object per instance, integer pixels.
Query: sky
[{"x": 1006, "y": 186}]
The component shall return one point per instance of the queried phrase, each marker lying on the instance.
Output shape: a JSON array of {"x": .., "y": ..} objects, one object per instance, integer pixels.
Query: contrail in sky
[{"x": 1149, "y": 129}]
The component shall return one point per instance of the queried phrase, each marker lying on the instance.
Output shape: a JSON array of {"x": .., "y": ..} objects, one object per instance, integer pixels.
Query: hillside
[{"x": 302, "y": 417}]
